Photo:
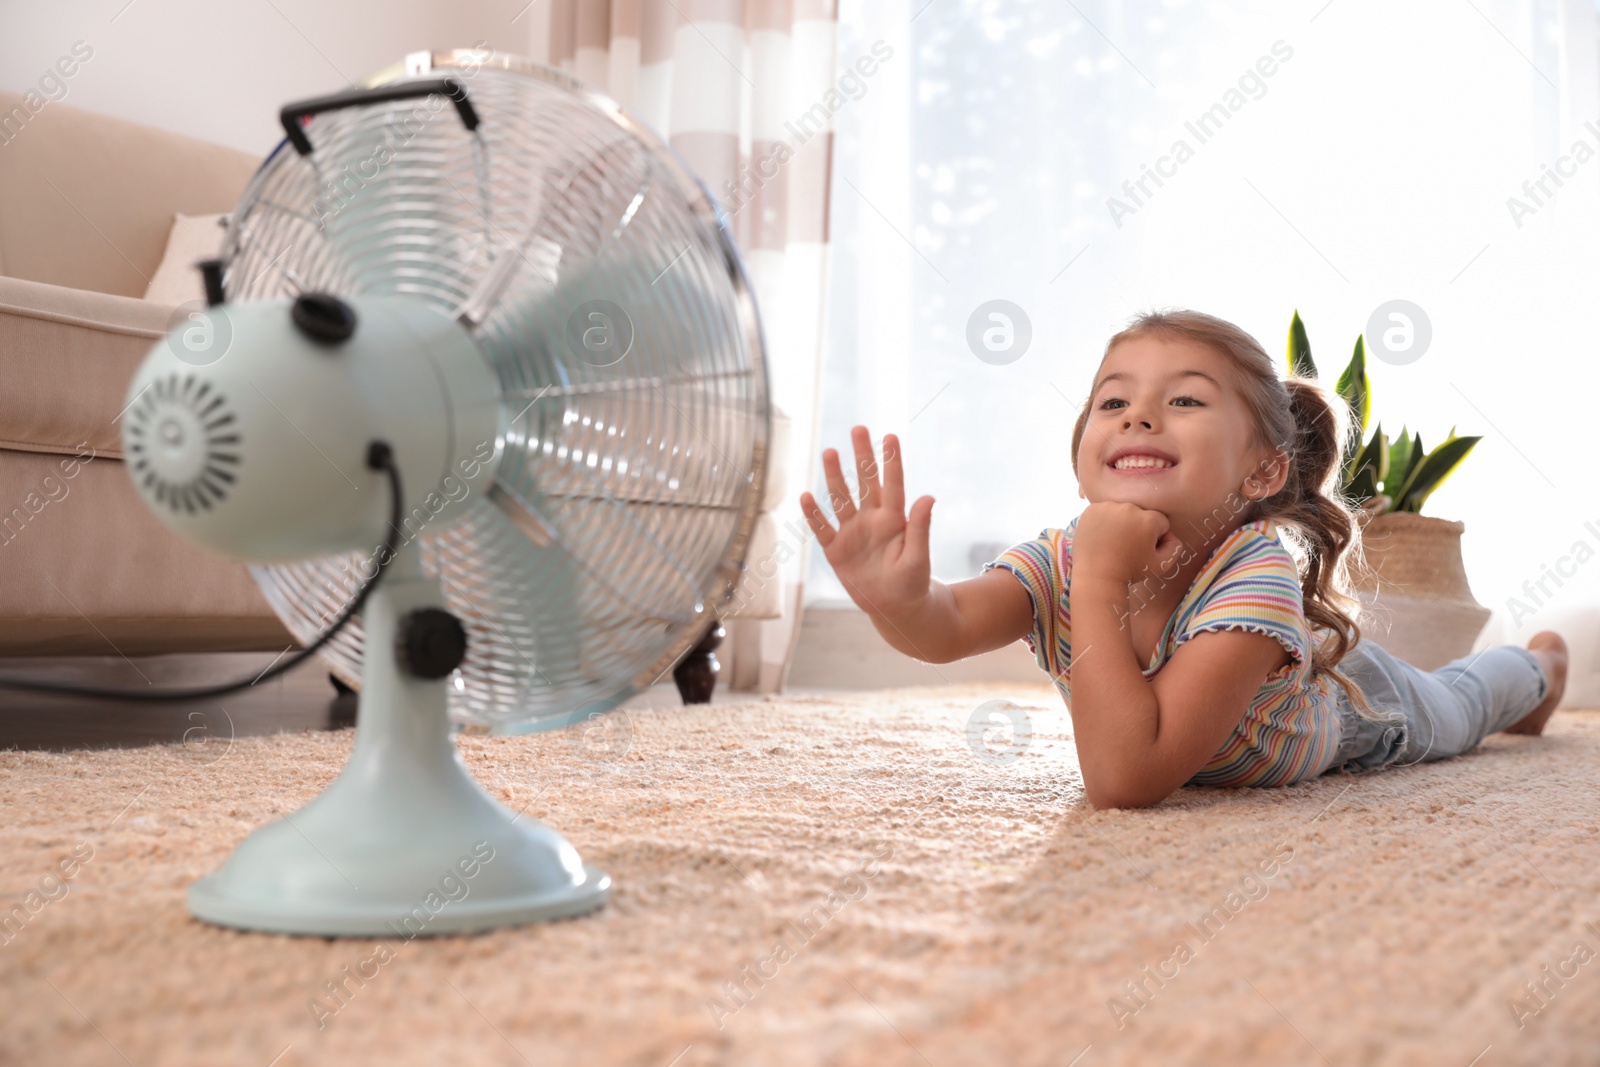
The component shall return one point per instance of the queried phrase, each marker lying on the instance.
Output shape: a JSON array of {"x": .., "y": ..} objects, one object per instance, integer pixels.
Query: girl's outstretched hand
[{"x": 878, "y": 552}]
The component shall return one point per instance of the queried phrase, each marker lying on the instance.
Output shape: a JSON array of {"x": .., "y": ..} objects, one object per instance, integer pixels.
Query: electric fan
[{"x": 480, "y": 314}]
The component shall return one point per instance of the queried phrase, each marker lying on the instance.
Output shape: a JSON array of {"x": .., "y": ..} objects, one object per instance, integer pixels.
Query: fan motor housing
[{"x": 259, "y": 453}]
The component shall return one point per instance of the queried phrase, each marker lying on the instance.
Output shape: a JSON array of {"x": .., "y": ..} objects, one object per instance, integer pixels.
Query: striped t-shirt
[{"x": 1290, "y": 731}]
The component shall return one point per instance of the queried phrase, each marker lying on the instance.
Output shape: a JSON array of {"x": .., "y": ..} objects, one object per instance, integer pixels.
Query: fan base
[
  {"x": 210, "y": 900},
  {"x": 405, "y": 842},
  {"x": 397, "y": 850}
]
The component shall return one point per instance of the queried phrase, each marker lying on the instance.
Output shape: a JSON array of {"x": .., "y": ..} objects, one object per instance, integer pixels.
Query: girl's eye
[
  {"x": 1190, "y": 399},
  {"x": 1106, "y": 403}
]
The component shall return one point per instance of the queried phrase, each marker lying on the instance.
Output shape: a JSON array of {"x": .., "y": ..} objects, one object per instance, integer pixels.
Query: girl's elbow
[
  {"x": 1125, "y": 800},
  {"x": 1103, "y": 793}
]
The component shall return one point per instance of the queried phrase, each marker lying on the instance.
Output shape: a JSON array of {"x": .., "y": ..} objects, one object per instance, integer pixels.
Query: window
[{"x": 1020, "y": 151}]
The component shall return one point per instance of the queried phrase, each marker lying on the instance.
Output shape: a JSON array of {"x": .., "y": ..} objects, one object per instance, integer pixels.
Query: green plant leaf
[
  {"x": 1355, "y": 389},
  {"x": 1354, "y": 385},
  {"x": 1367, "y": 470},
  {"x": 1433, "y": 470},
  {"x": 1400, "y": 474},
  {"x": 1399, "y": 462},
  {"x": 1361, "y": 488},
  {"x": 1300, "y": 364}
]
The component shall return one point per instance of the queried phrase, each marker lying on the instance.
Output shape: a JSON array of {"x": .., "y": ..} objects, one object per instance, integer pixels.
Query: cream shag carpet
[{"x": 838, "y": 879}]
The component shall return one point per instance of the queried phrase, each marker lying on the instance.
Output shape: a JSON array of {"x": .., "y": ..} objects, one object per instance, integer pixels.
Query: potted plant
[{"x": 1412, "y": 585}]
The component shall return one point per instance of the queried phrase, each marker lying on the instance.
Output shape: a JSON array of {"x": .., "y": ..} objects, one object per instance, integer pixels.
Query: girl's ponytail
[{"x": 1311, "y": 507}]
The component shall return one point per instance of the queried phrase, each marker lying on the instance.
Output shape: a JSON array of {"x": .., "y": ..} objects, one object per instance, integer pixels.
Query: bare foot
[{"x": 1551, "y": 652}]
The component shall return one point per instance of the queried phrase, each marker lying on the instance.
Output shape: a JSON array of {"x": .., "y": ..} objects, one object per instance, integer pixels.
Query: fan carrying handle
[{"x": 293, "y": 113}]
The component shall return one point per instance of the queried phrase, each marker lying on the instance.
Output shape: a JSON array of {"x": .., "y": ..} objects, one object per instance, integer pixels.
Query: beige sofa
[
  {"x": 86, "y": 206},
  {"x": 85, "y": 567}
]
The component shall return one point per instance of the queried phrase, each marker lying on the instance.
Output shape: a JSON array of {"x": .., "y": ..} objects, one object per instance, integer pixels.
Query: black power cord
[{"x": 379, "y": 457}]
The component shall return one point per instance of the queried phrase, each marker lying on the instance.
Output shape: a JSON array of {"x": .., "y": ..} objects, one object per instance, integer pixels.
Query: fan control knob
[
  {"x": 323, "y": 317},
  {"x": 430, "y": 643}
]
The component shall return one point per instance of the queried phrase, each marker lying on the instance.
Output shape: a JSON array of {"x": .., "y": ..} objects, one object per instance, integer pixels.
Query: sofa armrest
[{"x": 66, "y": 357}]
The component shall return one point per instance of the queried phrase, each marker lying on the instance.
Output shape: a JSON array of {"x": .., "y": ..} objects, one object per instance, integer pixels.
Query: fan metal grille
[{"x": 630, "y": 481}]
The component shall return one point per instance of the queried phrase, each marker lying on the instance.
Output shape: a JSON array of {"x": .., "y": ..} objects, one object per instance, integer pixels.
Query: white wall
[{"x": 220, "y": 71}]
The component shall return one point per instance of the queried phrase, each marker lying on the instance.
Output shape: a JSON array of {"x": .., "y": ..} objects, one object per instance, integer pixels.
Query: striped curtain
[{"x": 744, "y": 90}]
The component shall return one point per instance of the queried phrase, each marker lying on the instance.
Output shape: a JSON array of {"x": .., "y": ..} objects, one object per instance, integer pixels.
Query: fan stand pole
[{"x": 404, "y": 842}]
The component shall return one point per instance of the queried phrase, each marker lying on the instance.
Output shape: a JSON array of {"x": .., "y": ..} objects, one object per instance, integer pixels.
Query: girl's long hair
[{"x": 1297, "y": 416}]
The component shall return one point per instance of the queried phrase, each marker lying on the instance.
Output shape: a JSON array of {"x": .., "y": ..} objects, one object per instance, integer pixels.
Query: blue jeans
[{"x": 1430, "y": 715}]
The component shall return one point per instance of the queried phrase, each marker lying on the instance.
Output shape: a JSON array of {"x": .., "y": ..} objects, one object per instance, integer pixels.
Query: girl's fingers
[
  {"x": 838, "y": 492},
  {"x": 866, "y": 467},
  {"x": 918, "y": 523},
  {"x": 894, "y": 479},
  {"x": 816, "y": 520}
]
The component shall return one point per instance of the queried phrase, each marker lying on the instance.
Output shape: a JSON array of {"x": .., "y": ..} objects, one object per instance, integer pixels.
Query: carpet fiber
[{"x": 839, "y": 879}]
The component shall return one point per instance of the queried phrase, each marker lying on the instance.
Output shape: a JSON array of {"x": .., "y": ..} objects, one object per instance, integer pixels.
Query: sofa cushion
[
  {"x": 193, "y": 237},
  {"x": 87, "y": 567},
  {"x": 89, "y": 198},
  {"x": 66, "y": 357}
]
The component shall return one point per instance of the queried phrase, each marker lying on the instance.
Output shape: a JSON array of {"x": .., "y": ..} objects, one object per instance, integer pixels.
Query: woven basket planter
[{"x": 1414, "y": 592}]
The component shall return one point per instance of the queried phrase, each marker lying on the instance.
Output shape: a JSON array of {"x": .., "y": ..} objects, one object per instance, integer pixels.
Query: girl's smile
[{"x": 1141, "y": 461}]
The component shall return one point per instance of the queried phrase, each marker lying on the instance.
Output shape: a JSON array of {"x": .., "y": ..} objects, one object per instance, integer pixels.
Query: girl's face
[{"x": 1169, "y": 431}]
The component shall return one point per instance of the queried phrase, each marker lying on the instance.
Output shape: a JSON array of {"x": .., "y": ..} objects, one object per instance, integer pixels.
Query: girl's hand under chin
[{"x": 1122, "y": 542}]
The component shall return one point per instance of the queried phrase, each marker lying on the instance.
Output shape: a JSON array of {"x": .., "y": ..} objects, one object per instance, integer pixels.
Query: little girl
[{"x": 1176, "y": 625}]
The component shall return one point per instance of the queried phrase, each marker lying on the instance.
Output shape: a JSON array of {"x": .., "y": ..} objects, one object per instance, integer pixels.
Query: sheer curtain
[{"x": 1338, "y": 155}]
